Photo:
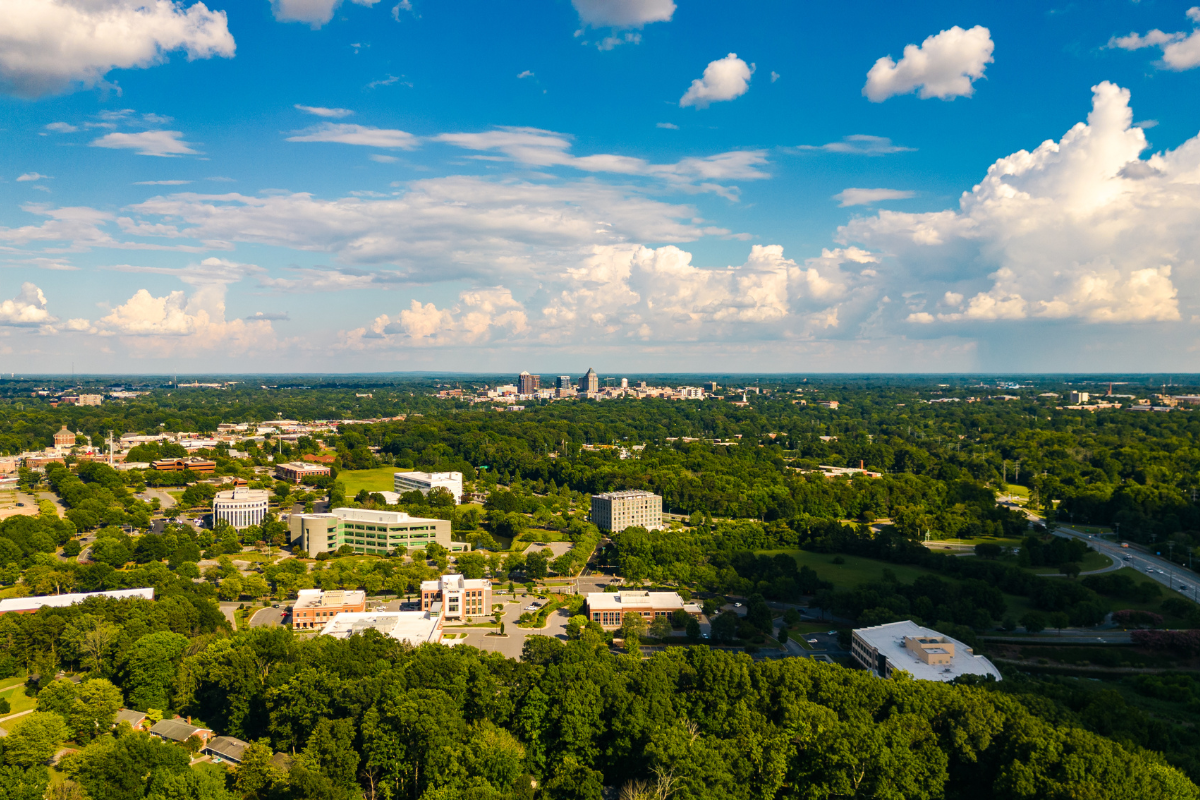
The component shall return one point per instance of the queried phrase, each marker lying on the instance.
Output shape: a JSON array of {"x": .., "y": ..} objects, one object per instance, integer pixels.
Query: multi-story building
[
  {"x": 590, "y": 382},
  {"x": 923, "y": 653},
  {"x": 563, "y": 382},
  {"x": 299, "y": 471},
  {"x": 609, "y": 608},
  {"x": 1078, "y": 397},
  {"x": 241, "y": 507},
  {"x": 711, "y": 387},
  {"x": 624, "y": 383},
  {"x": 528, "y": 384},
  {"x": 616, "y": 511},
  {"x": 64, "y": 439},
  {"x": 314, "y": 608},
  {"x": 460, "y": 598},
  {"x": 425, "y": 482},
  {"x": 90, "y": 399},
  {"x": 413, "y": 627},
  {"x": 691, "y": 393},
  {"x": 366, "y": 531},
  {"x": 199, "y": 465}
]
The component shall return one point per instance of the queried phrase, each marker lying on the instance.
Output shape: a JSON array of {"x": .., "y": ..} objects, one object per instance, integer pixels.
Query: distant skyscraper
[
  {"x": 528, "y": 384},
  {"x": 624, "y": 383},
  {"x": 564, "y": 382},
  {"x": 590, "y": 382}
]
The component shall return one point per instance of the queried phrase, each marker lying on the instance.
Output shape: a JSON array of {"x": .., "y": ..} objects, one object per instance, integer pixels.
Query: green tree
[
  {"x": 660, "y": 628},
  {"x": 94, "y": 710},
  {"x": 150, "y": 667},
  {"x": 33, "y": 739},
  {"x": 693, "y": 630}
]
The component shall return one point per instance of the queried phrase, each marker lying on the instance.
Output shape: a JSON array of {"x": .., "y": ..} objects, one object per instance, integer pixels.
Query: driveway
[
  {"x": 268, "y": 617},
  {"x": 512, "y": 643}
]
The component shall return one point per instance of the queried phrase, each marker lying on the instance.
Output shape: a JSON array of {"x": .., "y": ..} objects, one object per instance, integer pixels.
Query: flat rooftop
[
  {"x": 315, "y": 598},
  {"x": 638, "y": 601},
  {"x": 414, "y": 627},
  {"x": 889, "y": 641},
  {"x": 64, "y": 600},
  {"x": 629, "y": 493}
]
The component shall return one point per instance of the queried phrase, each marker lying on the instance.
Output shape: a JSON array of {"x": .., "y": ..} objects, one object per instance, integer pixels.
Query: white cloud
[
  {"x": 1081, "y": 228},
  {"x": 47, "y": 46},
  {"x": 943, "y": 66},
  {"x": 388, "y": 81},
  {"x": 724, "y": 79},
  {"x": 312, "y": 12},
  {"x": 269, "y": 316},
  {"x": 479, "y": 316},
  {"x": 148, "y": 143},
  {"x": 866, "y": 197},
  {"x": 61, "y": 127},
  {"x": 319, "y": 111},
  {"x": 345, "y": 133},
  {"x": 859, "y": 144},
  {"x": 27, "y": 310},
  {"x": 774, "y": 76},
  {"x": 526, "y": 74},
  {"x": 1180, "y": 51},
  {"x": 669, "y": 126},
  {"x": 81, "y": 227},
  {"x": 382, "y": 159},
  {"x": 623, "y": 13},
  {"x": 32, "y": 176},
  {"x": 161, "y": 183}
]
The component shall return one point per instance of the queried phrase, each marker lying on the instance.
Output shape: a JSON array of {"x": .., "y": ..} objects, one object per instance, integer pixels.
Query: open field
[
  {"x": 13, "y": 689},
  {"x": 961, "y": 543},
  {"x": 854, "y": 572},
  {"x": 1091, "y": 561},
  {"x": 373, "y": 480}
]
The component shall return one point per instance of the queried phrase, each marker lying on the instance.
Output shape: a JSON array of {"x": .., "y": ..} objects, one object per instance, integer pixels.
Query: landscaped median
[{"x": 537, "y": 619}]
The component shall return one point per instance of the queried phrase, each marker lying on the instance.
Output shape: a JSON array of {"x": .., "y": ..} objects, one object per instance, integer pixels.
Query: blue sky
[{"x": 313, "y": 185}]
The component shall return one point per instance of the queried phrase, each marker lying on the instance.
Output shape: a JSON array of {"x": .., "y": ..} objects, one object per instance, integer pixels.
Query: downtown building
[{"x": 528, "y": 384}]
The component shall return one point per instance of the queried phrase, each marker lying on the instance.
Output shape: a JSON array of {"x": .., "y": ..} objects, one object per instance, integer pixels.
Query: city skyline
[{"x": 319, "y": 187}]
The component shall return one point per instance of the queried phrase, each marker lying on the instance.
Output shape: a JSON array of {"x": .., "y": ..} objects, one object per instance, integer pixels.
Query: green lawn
[
  {"x": 15, "y": 693},
  {"x": 1091, "y": 560},
  {"x": 373, "y": 480},
  {"x": 854, "y": 571},
  {"x": 982, "y": 540}
]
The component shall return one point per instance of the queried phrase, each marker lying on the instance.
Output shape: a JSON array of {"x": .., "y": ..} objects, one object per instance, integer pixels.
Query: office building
[
  {"x": 590, "y": 382},
  {"x": 460, "y": 598},
  {"x": 198, "y": 465},
  {"x": 564, "y": 382},
  {"x": 414, "y": 627},
  {"x": 241, "y": 507},
  {"x": 425, "y": 482},
  {"x": 923, "y": 653},
  {"x": 616, "y": 511},
  {"x": 366, "y": 531},
  {"x": 624, "y": 383},
  {"x": 1078, "y": 397},
  {"x": 528, "y": 384},
  {"x": 314, "y": 608},
  {"x": 609, "y": 608},
  {"x": 90, "y": 399},
  {"x": 690, "y": 393},
  {"x": 300, "y": 471},
  {"x": 28, "y": 605},
  {"x": 711, "y": 387}
]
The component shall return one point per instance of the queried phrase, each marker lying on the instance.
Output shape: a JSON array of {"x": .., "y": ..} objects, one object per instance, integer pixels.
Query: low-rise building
[
  {"x": 425, "y": 482},
  {"x": 136, "y": 719},
  {"x": 90, "y": 399},
  {"x": 226, "y": 748},
  {"x": 64, "y": 439},
  {"x": 179, "y": 730},
  {"x": 830, "y": 404},
  {"x": 300, "y": 471},
  {"x": 923, "y": 653},
  {"x": 609, "y": 608},
  {"x": 201, "y": 466},
  {"x": 241, "y": 507},
  {"x": 414, "y": 627},
  {"x": 460, "y": 598},
  {"x": 616, "y": 511},
  {"x": 367, "y": 531},
  {"x": 28, "y": 605},
  {"x": 314, "y": 608}
]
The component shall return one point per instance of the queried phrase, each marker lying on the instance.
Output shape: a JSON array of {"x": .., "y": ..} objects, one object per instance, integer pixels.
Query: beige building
[
  {"x": 90, "y": 399},
  {"x": 314, "y": 608},
  {"x": 528, "y": 384},
  {"x": 923, "y": 653},
  {"x": 241, "y": 507},
  {"x": 460, "y": 598},
  {"x": 590, "y": 382},
  {"x": 300, "y": 471},
  {"x": 609, "y": 608},
  {"x": 616, "y": 511},
  {"x": 367, "y": 531},
  {"x": 414, "y": 627}
]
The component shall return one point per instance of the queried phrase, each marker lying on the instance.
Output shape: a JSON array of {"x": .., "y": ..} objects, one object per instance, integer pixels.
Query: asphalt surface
[{"x": 268, "y": 617}]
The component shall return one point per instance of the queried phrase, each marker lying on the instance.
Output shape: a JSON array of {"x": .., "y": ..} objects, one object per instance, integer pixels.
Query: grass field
[
  {"x": 1091, "y": 561},
  {"x": 373, "y": 480},
  {"x": 972, "y": 542},
  {"x": 854, "y": 571},
  {"x": 13, "y": 689}
]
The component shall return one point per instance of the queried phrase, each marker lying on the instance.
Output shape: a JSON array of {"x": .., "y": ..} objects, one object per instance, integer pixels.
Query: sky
[{"x": 637, "y": 185}]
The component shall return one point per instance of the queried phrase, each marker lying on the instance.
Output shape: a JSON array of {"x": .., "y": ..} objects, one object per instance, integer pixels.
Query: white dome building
[{"x": 240, "y": 507}]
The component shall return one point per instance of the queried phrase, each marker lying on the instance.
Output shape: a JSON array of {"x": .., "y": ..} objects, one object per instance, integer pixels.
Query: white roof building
[
  {"x": 923, "y": 653},
  {"x": 27, "y": 604},
  {"x": 425, "y": 482},
  {"x": 414, "y": 627}
]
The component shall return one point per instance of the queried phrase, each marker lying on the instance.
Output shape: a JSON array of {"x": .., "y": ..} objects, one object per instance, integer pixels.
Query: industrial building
[{"x": 616, "y": 511}]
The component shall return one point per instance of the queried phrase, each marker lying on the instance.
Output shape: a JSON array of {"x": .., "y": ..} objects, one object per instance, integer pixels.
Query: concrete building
[
  {"x": 624, "y": 383},
  {"x": 923, "y": 653},
  {"x": 425, "y": 482},
  {"x": 590, "y": 382},
  {"x": 830, "y": 404},
  {"x": 300, "y": 472},
  {"x": 528, "y": 384},
  {"x": 691, "y": 393},
  {"x": 563, "y": 382},
  {"x": 241, "y": 507},
  {"x": 314, "y": 608},
  {"x": 199, "y": 465},
  {"x": 414, "y": 627},
  {"x": 64, "y": 439},
  {"x": 616, "y": 511},
  {"x": 609, "y": 608},
  {"x": 28, "y": 605},
  {"x": 367, "y": 531},
  {"x": 460, "y": 598},
  {"x": 1076, "y": 398}
]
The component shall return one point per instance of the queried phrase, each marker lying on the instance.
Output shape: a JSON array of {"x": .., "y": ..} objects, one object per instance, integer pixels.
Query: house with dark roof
[
  {"x": 136, "y": 719},
  {"x": 179, "y": 730},
  {"x": 226, "y": 748}
]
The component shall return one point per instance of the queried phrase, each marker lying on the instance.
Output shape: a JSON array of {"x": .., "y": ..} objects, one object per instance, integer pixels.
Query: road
[
  {"x": 512, "y": 643},
  {"x": 268, "y": 617}
]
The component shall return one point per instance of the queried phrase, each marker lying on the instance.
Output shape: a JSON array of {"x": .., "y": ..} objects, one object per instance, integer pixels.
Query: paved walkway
[{"x": 5, "y": 720}]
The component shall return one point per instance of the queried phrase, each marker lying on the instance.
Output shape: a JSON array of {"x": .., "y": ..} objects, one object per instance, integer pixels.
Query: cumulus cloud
[
  {"x": 1180, "y": 51},
  {"x": 1081, "y": 228},
  {"x": 148, "y": 143},
  {"x": 61, "y": 127},
  {"x": 330, "y": 113},
  {"x": 539, "y": 148},
  {"x": 479, "y": 316},
  {"x": 859, "y": 144},
  {"x": 866, "y": 197},
  {"x": 79, "y": 227},
  {"x": 32, "y": 176},
  {"x": 623, "y": 13},
  {"x": 311, "y": 12},
  {"x": 268, "y": 316},
  {"x": 27, "y": 310},
  {"x": 724, "y": 79},
  {"x": 48, "y": 46},
  {"x": 344, "y": 133},
  {"x": 943, "y": 66}
]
